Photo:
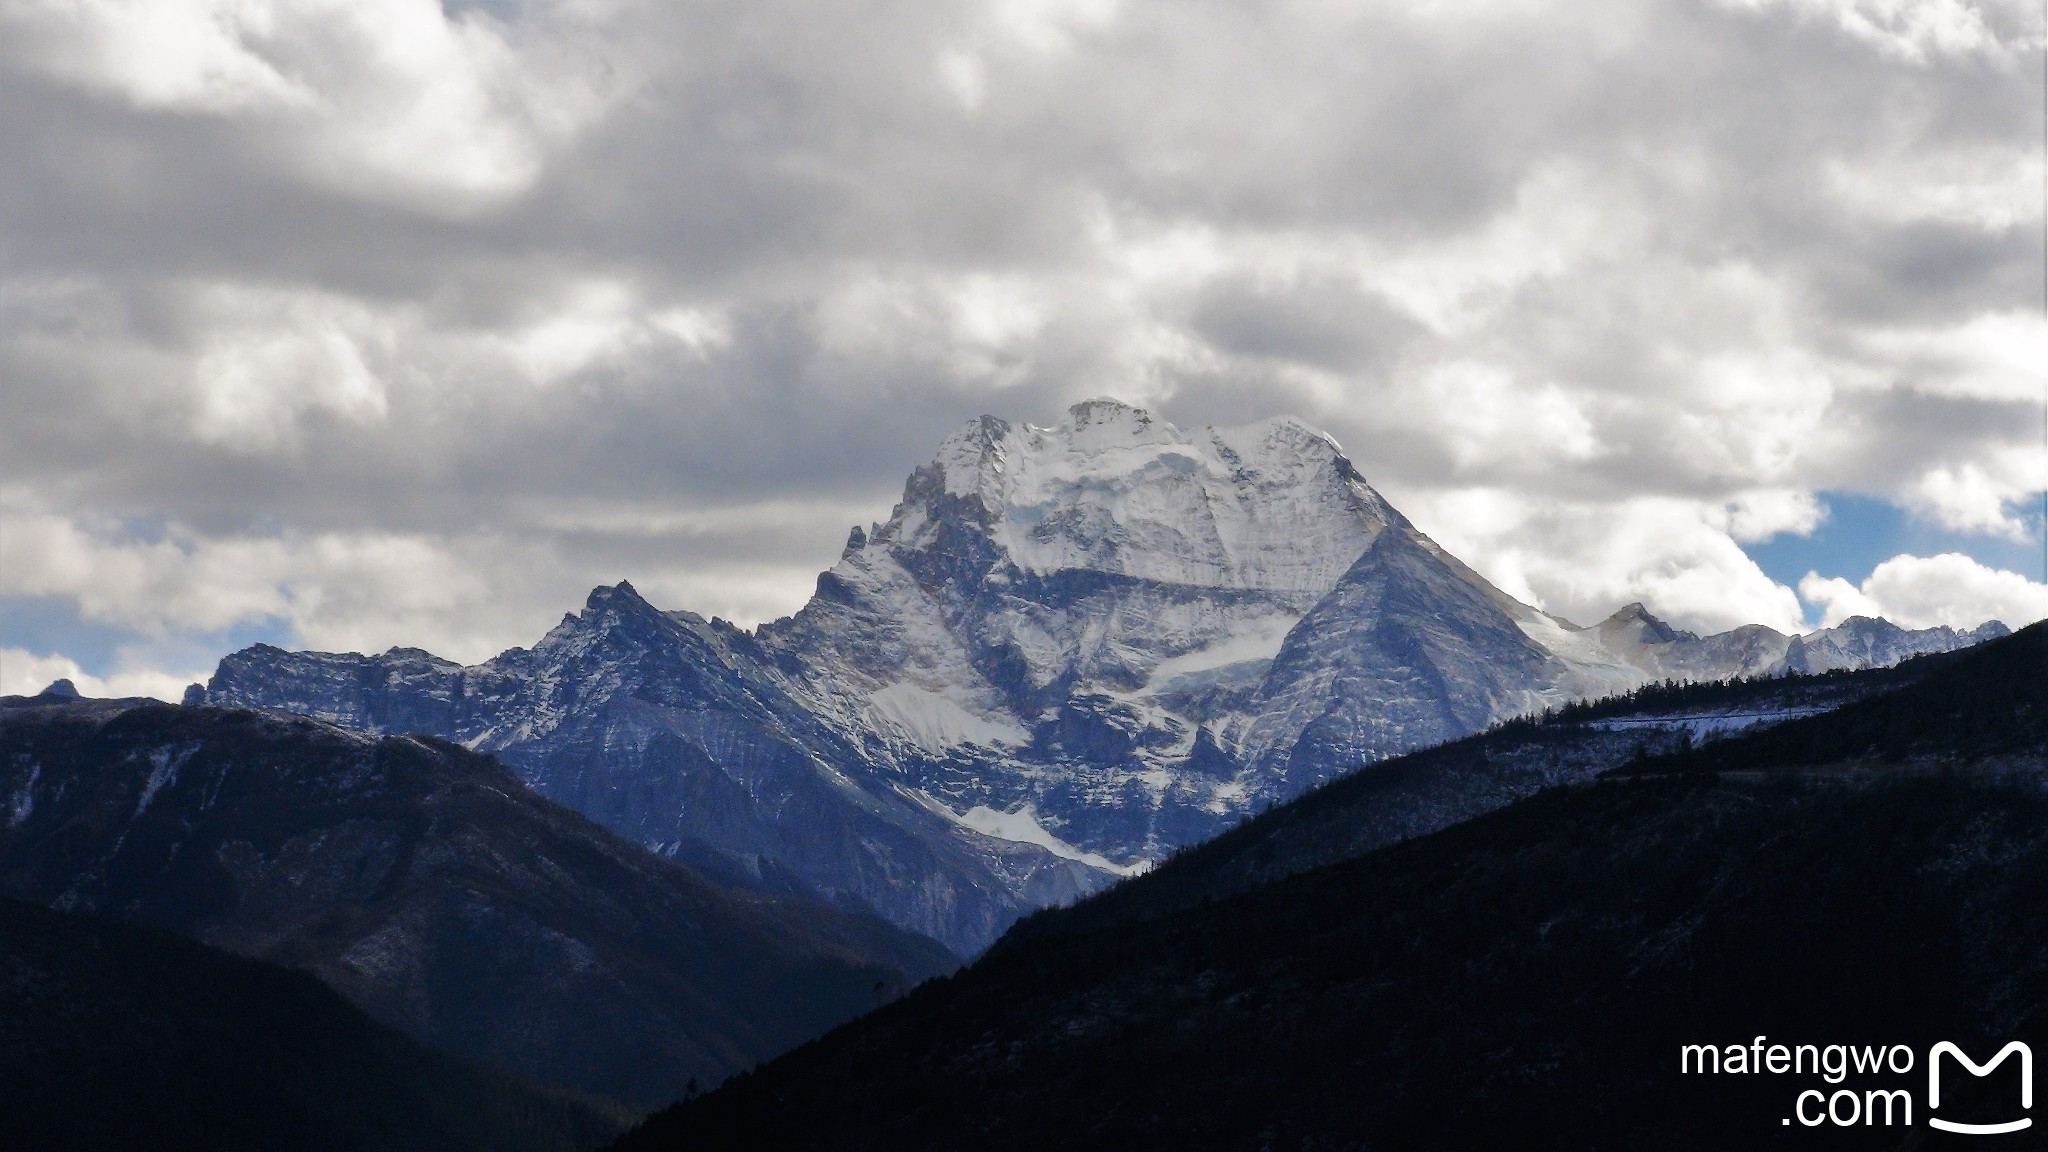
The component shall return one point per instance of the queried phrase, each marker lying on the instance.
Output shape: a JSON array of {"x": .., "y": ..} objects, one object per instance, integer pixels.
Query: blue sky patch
[
  {"x": 1860, "y": 532},
  {"x": 48, "y": 625}
]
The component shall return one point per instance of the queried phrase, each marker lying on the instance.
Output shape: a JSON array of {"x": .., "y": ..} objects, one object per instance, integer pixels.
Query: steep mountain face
[
  {"x": 1066, "y": 653},
  {"x": 423, "y": 882},
  {"x": 117, "y": 1037},
  {"x": 1521, "y": 980},
  {"x": 1407, "y": 651}
]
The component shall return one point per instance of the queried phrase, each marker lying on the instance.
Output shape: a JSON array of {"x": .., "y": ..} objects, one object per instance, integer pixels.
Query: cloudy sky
[{"x": 352, "y": 323}]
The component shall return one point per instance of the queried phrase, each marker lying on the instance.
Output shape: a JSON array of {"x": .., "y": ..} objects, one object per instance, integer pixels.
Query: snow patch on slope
[
  {"x": 1022, "y": 827},
  {"x": 1596, "y": 670},
  {"x": 937, "y": 722},
  {"x": 24, "y": 801},
  {"x": 1702, "y": 725},
  {"x": 163, "y": 769},
  {"x": 1252, "y": 640}
]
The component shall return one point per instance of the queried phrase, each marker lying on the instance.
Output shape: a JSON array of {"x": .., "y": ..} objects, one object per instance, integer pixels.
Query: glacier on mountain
[{"x": 1067, "y": 651}]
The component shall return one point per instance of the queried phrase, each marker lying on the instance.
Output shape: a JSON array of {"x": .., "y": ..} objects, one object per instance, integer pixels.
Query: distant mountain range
[
  {"x": 427, "y": 885},
  {"x": 1068, "y": 652},
  {"x": 1859, "y": 859}
]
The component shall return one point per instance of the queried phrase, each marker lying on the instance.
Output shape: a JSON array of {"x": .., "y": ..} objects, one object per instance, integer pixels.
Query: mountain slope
[
  {"x": 1525, "y": 979},
  {"x": 428, "y": 886},
  {"x": 116, "y": 1037},
  {"x": 1068, "y": 651},
  {"x": 1401, "y": 654}
]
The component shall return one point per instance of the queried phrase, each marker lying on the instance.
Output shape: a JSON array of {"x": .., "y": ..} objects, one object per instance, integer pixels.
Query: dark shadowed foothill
[
  {"x": 119, "y": 1037},
  {"x": 429, "y": 887}
]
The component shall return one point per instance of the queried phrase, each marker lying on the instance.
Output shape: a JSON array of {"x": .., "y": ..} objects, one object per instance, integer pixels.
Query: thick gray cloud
[{"x": 394, "y": 322}]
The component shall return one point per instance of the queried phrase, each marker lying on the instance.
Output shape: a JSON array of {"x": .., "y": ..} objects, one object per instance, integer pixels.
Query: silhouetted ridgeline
[
  {"x": 1984, "y": 709},
  {"x": 1784, "y": 689},
  {"x": 1522, "y": 980}
]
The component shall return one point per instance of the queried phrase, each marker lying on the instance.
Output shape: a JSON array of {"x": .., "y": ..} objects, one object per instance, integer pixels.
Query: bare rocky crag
[{"x": 1068, "y": 652}]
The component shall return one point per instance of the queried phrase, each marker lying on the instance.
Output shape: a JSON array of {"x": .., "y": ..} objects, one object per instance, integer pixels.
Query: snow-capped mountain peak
[
  {"x": 1633, "y": 624},
  {"x": 1272, "y": 506},
  {"x": 1068, "y": 651}
]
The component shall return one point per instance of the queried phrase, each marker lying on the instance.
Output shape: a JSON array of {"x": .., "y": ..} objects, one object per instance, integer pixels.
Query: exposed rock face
[
  {"x": 1067, "y": 652},
  {"x": 424, "y": 883},
  {"x": 1861, "y": 642},
  {"x": 1403, "y": 653}
]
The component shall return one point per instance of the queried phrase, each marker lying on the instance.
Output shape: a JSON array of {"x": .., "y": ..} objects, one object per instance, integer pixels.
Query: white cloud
[
  {"x": 357, "y": 591},
  {"x": 1969, "y": 498},
  {"x": 387, "y": 99},
  {"x": 1051, "y": 25},
  {"x": 253, "y": 369},
  {"x": 1487, "y": 418},
  {"x": 179, "y": 55},
  {"x": 965, "y": 75},
  {"x": 466, "y": 597},
  {"x": 1583, "y": 561},
  {"x": 1986, "y": 187},
  {"x": 1927, "y": 591},
  {"x": 1562, "y": 217},
  {"x": 746, "y": 594},
  {"x": 976, "y": 328},
  {"x": 268, "y": 359},
  {"x": 24, "y": 673},
  {"x": 1991, "y": 356},
  {"x": 1837, "y": 598},
  {"x": 1760, "y": 515},
  {"x": 1754, "y": 415},
  {"x": 1912, "y": 30}
]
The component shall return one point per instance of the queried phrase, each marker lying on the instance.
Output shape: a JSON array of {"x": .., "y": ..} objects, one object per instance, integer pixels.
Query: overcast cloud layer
[{"x": 355, "y": 323}]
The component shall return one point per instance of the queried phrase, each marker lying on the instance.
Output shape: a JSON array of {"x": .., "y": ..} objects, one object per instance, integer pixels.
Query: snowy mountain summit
[
  {"x": 1272, "y": 507},
  {"x": 1069, "y": 650}
]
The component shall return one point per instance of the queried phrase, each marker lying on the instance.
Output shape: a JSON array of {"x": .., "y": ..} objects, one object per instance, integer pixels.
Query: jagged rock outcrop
[{"x": 1665, "y": 653}]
